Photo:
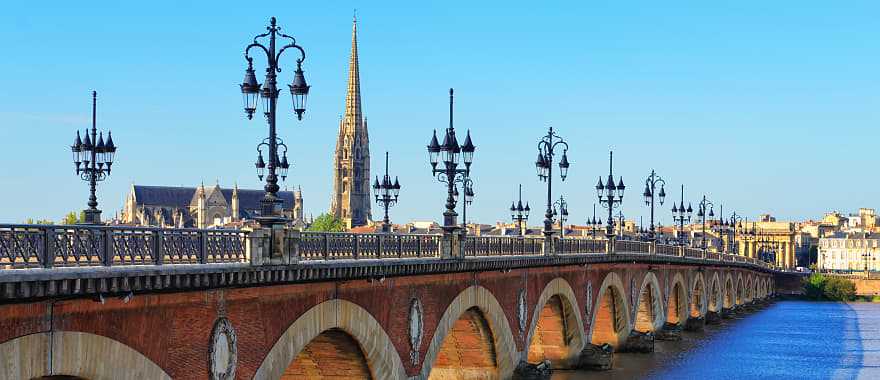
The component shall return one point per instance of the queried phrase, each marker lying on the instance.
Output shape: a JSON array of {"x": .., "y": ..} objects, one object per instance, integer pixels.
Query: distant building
[
  {"x": 849, "y": 252},
  {"x": 201, "y": 207}
]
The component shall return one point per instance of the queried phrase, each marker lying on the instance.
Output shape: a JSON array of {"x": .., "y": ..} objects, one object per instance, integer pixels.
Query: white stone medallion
[
  {"x": 521, "y": 311},
  {"x": 223, "y": 352},
  {"x": 415, "y": 330}
]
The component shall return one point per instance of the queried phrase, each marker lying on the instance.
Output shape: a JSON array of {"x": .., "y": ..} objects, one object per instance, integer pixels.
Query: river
[{"x": 788, "y": 339}]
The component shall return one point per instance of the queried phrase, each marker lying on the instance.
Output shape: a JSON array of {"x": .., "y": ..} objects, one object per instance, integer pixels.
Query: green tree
[
  {"x": 74, "y": 218},
  {"x": 327, "y": 223},
  {"x": 38, "y": 221},
  {"x": 840, "y": 289},
  {"x": 814, "y": 286}
]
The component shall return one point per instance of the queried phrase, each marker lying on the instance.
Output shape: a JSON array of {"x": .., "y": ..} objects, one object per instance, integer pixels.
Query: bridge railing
[
  {"x": 571, "y": 245},
  {"x": 350, "y": 246},
  {"x": 632, "y": 246},
  {"x": 46, "y": 246},
  {"x": 668, "y": 250},
  {"x": 693, "y": 252},
  {"x": 502, "y": 245}
]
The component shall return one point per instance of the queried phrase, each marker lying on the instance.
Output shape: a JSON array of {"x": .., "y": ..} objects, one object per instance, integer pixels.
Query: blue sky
[{"x": 763, "y": 106}]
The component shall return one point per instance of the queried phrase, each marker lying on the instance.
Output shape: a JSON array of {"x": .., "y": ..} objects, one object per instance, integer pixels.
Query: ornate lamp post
[
  {"x": 387, "y": 193},
  {"x": 702, "y": 212},
  {"x": 681, "y": 216},
  {"x": 650, "y": 191},
  {"x": 722, "y": 228},
  {"x": 450, "y": 173},
  {"x": 735, "y": 222},
  {"x": 610, "y": 195},
  {"x": 594, "y": 223},
  {"x": 467, "y": 186},
  {"x": 620, "y": 224},
  {"x": 544, "y": 166},
  {"x": 866, "y": 257},
  {"x": 93, "y": 158},
  {"x": 252, "y": 91},
  {"x": 519, "y": 214},
  {"x": 562, "y": 206}
]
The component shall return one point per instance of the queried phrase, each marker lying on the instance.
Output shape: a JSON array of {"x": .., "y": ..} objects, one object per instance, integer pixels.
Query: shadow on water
[{"x": 788, "y": 339}]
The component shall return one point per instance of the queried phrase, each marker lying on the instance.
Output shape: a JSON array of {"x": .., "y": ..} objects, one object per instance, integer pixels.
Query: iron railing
[{"x": 46, "y": 246}]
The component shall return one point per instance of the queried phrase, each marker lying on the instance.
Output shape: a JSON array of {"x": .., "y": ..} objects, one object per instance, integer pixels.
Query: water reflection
[{"x": 789, "y": 339}]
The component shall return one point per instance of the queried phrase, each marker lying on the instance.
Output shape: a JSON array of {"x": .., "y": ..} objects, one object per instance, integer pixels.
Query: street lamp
[
  {"x": 593, "y": 222},
  {"x": 620, "y": 224},
  {"x": 681, "y": 215},
  {"x": 467, "y": 187},
  {"x": 867, "y": 257},
  {"x": 449, "y": 173},
  {"x": 562, "y": 206},
  {"x": 93, "y": 159},
  {"x": 703, "y": 209},
  {"x": 610, "y": 195},
  {"x": 735, "y": 222},
  {"x": 519, "y": 214},
  {"x": 387, "y": 193},
  {"x": 251, "y": 92},
  {"x": 650, "y": 191},
  {"x": 722, "y": 228},
  {"x": 544, "y": 166}
]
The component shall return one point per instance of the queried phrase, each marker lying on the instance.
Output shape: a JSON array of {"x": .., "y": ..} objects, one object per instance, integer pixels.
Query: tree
[
  {"x": 73, "y": 218},
  {"x": 327, "y": 223},
  {"x": 38, "y": 221},
  {"x": 814, "y": 286},
  {"x": 840, "y": 289}
]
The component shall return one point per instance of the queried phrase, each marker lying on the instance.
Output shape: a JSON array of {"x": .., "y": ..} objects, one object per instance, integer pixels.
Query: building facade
[
  {"x": 351, "y": 160},
  {"x": 849, "y": 252},
  {"x": 201, "y": 207}
]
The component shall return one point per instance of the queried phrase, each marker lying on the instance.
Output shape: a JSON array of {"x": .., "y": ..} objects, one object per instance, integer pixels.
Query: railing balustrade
[{"x": 46, "y": 246}]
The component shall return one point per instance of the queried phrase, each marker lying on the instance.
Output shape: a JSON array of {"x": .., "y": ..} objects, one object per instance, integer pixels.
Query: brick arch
[
  {"x": 716, "y": 290},
  {"x": 729, "y": 292},
  {"x": 750, "y": 289},
  {"x": 382, "y": 358},
  {"x": 698, "y": 301},
  {"x": 740, "y": 289},
  {"x": 76, "y": 354},
  {"x": 573, "y": 334},
  {"x": 650, "y": 290},
  {"x": 482, "y": 299},
  {"x": 614, "y": 286},
  {"x": 677, "y": 315}
]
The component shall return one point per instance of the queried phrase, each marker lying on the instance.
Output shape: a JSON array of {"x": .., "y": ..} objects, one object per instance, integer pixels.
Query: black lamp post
[
  {"x": 735, "y": 222},
  {"x": 93, "y": 159},
  {"x": 593, "y": 222},
  {"x": 544, "y": 166},
  {"x": 387, "y": 193},
  {"x": 866, "y": 257},
  {"x": 703, "y": 209},
  {"x": 252, "y": 91},
  {"x": 562, "y": 206},
  {"x": 519, "y": 214},
  {"x": 681, "y": 216},
  {"x": 722, "y": 227},
  {"x": 650, "y": 191},
  {"x": 610, "y": 195},
  {"x": 450, "y": 173},
  {"x": 620, "y": 224},
  {"x": 467, "y": 186}
]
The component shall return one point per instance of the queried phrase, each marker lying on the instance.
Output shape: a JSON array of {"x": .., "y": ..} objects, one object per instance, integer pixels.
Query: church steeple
[{"x": 351, "y": 164}]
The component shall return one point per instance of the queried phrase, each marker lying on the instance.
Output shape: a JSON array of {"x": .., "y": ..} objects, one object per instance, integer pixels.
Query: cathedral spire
[{"x": 353, "y": 95}]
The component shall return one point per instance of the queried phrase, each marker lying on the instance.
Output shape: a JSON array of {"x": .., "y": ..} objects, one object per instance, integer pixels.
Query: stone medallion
[
  {"x": 223, "y": 352},
  {"x": 415, "y": 330},
  {"x": 521, "y": 311}
]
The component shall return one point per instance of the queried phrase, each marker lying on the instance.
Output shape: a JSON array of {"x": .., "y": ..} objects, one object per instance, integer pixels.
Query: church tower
[{"x": 351, "y": 162}]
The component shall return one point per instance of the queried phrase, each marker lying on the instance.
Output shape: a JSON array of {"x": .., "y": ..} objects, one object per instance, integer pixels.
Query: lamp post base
[{"x": 92, "y": 216}]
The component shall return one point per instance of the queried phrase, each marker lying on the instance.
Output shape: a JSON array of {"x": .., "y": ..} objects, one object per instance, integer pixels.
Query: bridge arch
[
  {"x": 649, "y": 306},
  {"x": 677, "y": 301},
  {"x": 698, "y": 303},
  {"x": 471, "y": 302},
  {"x": 750, "y": 289},
  {"x": 729, "y": 300},
  {"x": 334, "y": 315},
  {"x": 610, "y": 320},
  {"x": 740, "y": 290},
  {"x": 556, "y": 315},
  {"x": 75, "y": 354},
  {"x": 716, "y": 294}
]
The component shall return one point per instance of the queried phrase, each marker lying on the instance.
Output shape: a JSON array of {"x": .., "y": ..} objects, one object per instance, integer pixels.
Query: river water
[{"x": 786, "y": 340}]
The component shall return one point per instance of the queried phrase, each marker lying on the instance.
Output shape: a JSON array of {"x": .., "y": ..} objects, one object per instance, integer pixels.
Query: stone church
[
  {"x": 351, "y": 161},
  {"x": 201, "y": 207}
]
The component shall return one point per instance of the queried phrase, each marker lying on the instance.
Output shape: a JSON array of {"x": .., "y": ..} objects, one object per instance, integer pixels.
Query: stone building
[
  {"x": 201, "y": 207},
  {"x": 351, "y": 160},
  {"x": 849, "y": 252}
]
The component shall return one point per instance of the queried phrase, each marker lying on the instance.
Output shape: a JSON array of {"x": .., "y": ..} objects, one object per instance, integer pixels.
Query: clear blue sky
[{"x": 764, "y": 106}]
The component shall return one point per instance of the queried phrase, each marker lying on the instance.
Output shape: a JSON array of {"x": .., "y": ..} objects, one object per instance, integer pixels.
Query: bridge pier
[
  {"x": 695, "y": 324},
  {"x": 713, "y": 318},
  {"x": 528, "y": 371},
  {"x": 597, "y": 358},
  {"x": 640, "y": 342},
  {"x": 669, "y": 332},
  {"x": 727, "y": 313}
]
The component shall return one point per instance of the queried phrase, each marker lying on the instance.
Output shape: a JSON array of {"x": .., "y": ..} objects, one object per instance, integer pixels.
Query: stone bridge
[{"x": 114, "y": 303}]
